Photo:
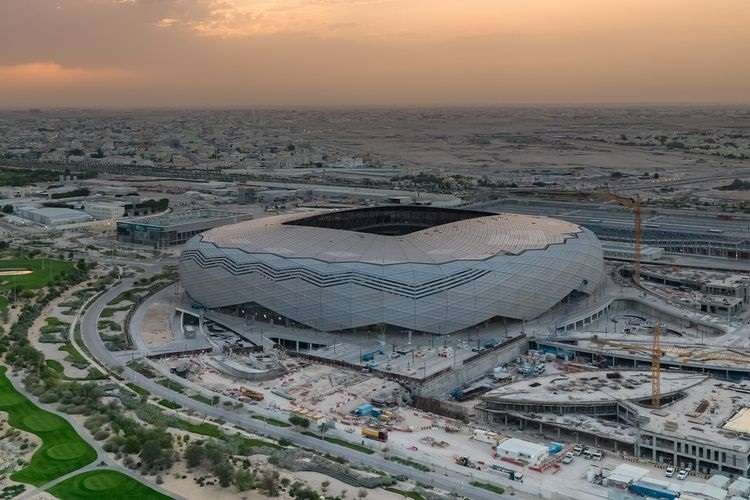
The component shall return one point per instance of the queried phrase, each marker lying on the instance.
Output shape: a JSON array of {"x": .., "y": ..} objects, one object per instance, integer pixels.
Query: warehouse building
[
  {"x": 50, "y": 216},
  {"x": 162, "y": 231}
]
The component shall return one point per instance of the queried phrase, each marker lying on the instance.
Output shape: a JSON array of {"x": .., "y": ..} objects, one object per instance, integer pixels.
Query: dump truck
[
  {"x": 376, "y": 434},
  {"x": 251, "y": 394},
  {"x": 508, "y": 472}
]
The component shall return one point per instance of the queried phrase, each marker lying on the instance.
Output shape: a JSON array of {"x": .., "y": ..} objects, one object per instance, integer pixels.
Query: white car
[
  {"x": 669, "y": 472},
  {"x": 682, "y": 474},
  {"x": 568, "y": 458}
]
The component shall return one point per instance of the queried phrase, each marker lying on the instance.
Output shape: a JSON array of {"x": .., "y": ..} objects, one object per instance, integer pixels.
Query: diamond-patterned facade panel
[{"x": 436, "y": 295}]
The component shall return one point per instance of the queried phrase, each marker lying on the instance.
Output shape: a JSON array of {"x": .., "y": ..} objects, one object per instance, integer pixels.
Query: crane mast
[
  {"x": 656, "y": 366},
  {"x": 633, "y": 204}
]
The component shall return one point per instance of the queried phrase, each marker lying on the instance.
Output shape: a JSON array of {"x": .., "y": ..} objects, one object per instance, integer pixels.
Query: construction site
[{"x": 636, "y": 372}]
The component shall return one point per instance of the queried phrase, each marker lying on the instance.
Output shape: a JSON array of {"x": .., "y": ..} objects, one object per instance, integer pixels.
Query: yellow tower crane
[
  {"x": 656, "y": 366},
  {"x": 633, "y": 204}
]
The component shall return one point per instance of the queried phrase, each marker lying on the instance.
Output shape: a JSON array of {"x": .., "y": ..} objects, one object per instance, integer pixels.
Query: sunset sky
[{"x": 124, "y": 53}]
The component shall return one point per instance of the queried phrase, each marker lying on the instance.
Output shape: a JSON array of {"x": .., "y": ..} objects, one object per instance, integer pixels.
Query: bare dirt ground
[
  {"x": 51, "y": 350},
  {"x": 10, "y": 447},
  {"x": 155, "y": 330}
]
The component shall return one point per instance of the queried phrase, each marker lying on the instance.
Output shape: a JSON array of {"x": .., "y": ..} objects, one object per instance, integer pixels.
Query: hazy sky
[{"x": 350, "y": 52}]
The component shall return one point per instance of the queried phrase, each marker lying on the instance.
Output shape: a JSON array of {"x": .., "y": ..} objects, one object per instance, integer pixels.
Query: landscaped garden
[
  {"x": 108, "y": 484},
  {"x": 62, "y": 449}
]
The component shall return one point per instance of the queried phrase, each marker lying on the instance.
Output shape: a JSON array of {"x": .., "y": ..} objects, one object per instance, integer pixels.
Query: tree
[
  {"x": 8, "y": 209},
  {"x": 224, "y": 472},
  {"x": 299, "y": 421},
  {"x": 244, "y": 480},
  {"x": 155, "y": 455},
  {"x": 323, "y": 428},
  {"x": 269, "y": 482},
  {"x": 194, "y": 455}
]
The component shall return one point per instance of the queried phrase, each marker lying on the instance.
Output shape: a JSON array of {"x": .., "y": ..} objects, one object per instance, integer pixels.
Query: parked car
[
  {"x": 568, "y": 458},
  {"x": 597, "y": 455},
  {"x": 682, "y": 474},
  {"x": 670, "y": 471},
  {"x": 577, "y": 449}
]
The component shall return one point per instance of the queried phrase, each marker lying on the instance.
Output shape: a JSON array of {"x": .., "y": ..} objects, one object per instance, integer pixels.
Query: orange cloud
[
  {"x": 51, "y": 73},
  {"x": 241, "y": 18}
]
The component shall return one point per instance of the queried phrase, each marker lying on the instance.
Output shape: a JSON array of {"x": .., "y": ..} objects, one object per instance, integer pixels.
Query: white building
[
  {"x": 515, "y": 449},
  {"x": 105, "y": 210},
  {"x": 52, "y": 216}
]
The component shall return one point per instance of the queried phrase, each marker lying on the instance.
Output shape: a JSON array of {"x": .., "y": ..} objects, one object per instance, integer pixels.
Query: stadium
[{"x": 400, "y": 268}]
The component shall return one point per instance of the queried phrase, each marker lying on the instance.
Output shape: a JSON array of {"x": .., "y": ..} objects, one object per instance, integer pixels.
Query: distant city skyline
[{"x": 236, "y": 53}]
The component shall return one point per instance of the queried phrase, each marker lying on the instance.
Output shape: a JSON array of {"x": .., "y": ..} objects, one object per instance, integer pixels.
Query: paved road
[{"x": 448, "y": 480}]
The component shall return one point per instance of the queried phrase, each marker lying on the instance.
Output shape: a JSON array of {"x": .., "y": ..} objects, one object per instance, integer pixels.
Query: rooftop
[
  {"x": 714, "y": 412},
  {"x": 176, "y": 218},
  {"x": 593, "y": 387},
  {"x": 457, "y": 237}
]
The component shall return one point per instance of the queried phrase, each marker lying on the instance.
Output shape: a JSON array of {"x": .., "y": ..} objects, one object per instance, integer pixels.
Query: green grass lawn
[
  {"x": 54, "y": 325},
  {"x": 108, "y": 484},
  {"x": 341, "y": 442},
  {"x": 43, "y": 272},
  {"x": 169, "y": 404},
  {"x": 170, "y": 384},
  {"x": 407, "y": 494},
  {"x": 55, "y": 365},
  {"x": 138, "y": 389},
  {"x": 93, "y": 373},
  {"x": 410, "y": 463},
  {"x": 108, "y": 312},
  {"x": 62, "y": 450},
  {"x": 74, "y": 357},
  {"x": 272, "y": 421},
  {"x": 489, "y": 487}
]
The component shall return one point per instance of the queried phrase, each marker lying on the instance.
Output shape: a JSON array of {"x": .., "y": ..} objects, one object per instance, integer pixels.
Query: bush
[
  {"x": 299, "y": 421},
  {"x": 101, "y": 435}
]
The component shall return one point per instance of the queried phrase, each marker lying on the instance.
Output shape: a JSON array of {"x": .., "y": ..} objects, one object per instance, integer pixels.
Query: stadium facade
[{"x": 415, "y": 268}]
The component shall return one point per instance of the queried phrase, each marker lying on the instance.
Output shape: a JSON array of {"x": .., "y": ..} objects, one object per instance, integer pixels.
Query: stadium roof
[{"x": 476, "y": 238}]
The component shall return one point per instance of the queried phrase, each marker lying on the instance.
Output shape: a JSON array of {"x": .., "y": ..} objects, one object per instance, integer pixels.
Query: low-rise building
[
  {"x": 105, "y": 210},
  {"x": 50, "y": 216},
  {"x": 161, "y": 231},
  {"x": 702, "y": 424}
]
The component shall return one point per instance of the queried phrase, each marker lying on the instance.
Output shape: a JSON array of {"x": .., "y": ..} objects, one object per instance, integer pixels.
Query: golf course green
[
  {"x": 108, "y": 484},
  {"x": 62, "y": 450}
]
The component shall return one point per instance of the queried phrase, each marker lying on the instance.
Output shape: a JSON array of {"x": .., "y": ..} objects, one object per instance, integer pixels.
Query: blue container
[
  {"x": 363, "y": 410},
  {"x": 650, "y": 491},
  {"x": 554, "y": 448}
]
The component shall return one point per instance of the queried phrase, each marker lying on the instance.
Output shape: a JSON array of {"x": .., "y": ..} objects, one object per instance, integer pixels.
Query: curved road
[{"x": 449, "y": 480}]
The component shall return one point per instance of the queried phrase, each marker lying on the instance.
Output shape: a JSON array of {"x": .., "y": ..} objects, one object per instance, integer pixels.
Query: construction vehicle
[
  {"x": 251, "y": 394},
  {"x": 486, "y": 436},
  {"x": 375, "y": 434},
  {"x": 513, "y": 475},
  {"x": 465, "y": 462}
]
